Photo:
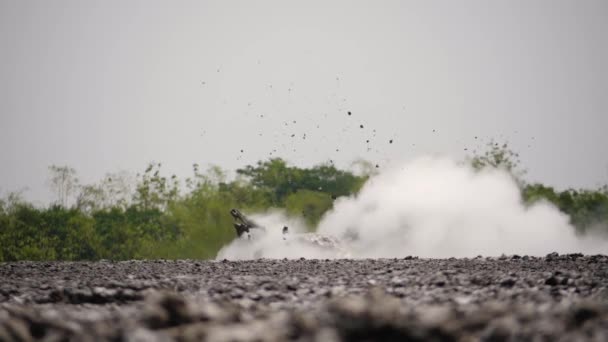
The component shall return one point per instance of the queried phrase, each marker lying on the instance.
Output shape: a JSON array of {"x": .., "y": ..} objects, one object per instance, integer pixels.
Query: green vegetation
[
  {"x": 587, "y": 209},
  {"x": 155, "y": 216},
  {"x": 159, "y": 218}
]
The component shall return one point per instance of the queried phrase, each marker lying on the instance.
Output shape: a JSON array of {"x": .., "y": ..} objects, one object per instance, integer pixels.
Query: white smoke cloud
[
  {"x": 434, "y": 207},
  {"x": 272, "y": 243}
]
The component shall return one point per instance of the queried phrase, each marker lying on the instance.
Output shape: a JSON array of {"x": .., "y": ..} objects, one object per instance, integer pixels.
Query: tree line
[{"x": 157, "y": 216}]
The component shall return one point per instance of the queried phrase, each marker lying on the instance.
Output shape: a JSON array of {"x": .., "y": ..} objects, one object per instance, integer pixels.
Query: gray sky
[{"x": 105, "y": 86}]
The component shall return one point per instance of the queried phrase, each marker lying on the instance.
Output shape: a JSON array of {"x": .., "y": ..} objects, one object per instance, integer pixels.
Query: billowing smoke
[
  {"x": 273, "y": 243},
  {"x": 434, "y": 207}
]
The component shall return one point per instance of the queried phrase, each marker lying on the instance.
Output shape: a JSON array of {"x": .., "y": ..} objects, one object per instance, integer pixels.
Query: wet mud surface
[{"x": 558, "y": 297}]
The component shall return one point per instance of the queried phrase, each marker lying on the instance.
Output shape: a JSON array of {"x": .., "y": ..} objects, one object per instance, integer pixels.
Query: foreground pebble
[{"x": 558, "y": 297}]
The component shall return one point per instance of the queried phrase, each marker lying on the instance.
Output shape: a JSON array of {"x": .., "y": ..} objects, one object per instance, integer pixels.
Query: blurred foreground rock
[{"x": 557, "y": 298}]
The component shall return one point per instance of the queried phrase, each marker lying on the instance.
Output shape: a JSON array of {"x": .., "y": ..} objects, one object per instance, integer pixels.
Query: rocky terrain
[{"x": 517, "y": 298}]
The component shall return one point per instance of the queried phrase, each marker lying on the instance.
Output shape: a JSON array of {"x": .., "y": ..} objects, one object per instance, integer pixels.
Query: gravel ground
[{"x": 558, "y": 297}]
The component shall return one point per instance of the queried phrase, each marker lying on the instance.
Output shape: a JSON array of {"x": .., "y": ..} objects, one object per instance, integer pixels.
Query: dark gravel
[{"x": 515, "y": 298}]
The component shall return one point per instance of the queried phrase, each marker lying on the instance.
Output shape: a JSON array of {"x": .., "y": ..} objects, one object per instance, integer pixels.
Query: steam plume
[{"x": 435, "y": 207}]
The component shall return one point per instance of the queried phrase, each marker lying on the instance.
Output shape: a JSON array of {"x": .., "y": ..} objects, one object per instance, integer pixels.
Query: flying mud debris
[{"x": 254, "y": 241}]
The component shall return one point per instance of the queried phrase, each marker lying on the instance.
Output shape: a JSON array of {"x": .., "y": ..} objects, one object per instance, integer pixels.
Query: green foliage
[
  {"x": 114, "y": 191},
  {"x": 123, "y": 233},
  {"x": 154, "y": 191},
  {"x": 158, "y": 219},
  {"x": 587, "y": 209},
  {"x": 284, "y": 180},
  {"x": 55, "y": 233}
]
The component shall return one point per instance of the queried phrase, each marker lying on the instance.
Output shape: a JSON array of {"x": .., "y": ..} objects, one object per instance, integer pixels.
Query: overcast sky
[{"x": 104, "y": 86}]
